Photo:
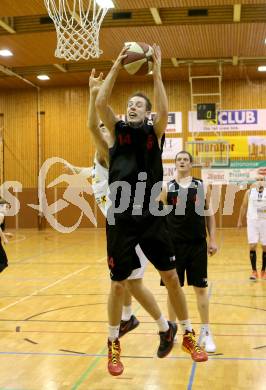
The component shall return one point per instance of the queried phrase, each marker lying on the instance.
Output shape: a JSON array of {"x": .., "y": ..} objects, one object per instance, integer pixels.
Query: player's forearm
[
  {"x": 93, "y": 124},
  {"x": 161, "y": 103},
  {"x": 93, "y": 117},
  {"x": 211, "y": 227},
  {"x": 160, "y": 97},
  {"x": 107, "y": 87}
]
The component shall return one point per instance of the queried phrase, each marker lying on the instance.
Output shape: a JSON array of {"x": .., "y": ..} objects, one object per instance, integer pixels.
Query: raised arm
[
  {"x": 243, "y": 209},
  {"x": 102, "y": 101},
  {"x": 94, "y": 120},
  {"x": 160, "y": 97}
]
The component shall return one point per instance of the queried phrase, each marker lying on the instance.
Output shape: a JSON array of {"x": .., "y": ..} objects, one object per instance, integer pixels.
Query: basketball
[{"x": 139, "y": 58}]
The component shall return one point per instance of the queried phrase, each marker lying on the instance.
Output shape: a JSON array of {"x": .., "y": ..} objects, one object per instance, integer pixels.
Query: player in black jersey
[
  {"x": 135, "y": 283},
  {"x": 135, "y": 177},
  {"x": 188, "y": 232}
]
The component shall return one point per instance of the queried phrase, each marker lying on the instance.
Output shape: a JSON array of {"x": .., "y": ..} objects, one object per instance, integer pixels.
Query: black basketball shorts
[
  {"x": 150, "y": 232},
  {"x": 192, "y": 260}
]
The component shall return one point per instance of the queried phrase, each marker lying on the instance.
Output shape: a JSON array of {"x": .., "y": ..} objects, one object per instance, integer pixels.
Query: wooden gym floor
[{"x": 53, "y": 320}]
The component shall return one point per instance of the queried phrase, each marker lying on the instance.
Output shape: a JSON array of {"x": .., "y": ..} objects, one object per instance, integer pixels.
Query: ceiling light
[
  {"x": 43, "y": 77},
  {"x": 6, "y": 53},
  {"x": 105, "y": 3},
  {"x": 262, "y": 68}
]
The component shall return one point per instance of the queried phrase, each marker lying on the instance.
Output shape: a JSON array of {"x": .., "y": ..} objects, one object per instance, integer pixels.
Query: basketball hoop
[{"x": 77, "y": 24}]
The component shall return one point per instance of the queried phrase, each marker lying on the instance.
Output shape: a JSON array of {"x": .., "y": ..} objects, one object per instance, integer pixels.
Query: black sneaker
[
  {"x": 127, "y": 326},
  {"x": 167, "y": 340}
]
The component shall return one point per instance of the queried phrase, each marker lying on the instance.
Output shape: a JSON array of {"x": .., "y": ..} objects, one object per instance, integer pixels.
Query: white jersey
[
  {"x": 100, "y": 186},
  {"x": 256, "y": 205}
]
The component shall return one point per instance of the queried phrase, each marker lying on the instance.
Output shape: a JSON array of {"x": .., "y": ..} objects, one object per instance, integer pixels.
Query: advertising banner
[
  {"x": 239, "y": 172},
  {"x": 238, "y": 146},
  {"x": 229, "y": 120}
]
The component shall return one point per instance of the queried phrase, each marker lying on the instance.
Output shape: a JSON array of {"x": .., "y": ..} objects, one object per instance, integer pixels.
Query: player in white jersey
[
  {"x": 99, "y": 175},
  {"x": 254, "y": 206}
]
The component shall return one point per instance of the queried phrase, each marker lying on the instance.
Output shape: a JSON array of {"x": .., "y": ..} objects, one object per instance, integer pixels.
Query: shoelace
[
  {"x": 114, "y": 353},
  {"x": 194, "y": 343}
]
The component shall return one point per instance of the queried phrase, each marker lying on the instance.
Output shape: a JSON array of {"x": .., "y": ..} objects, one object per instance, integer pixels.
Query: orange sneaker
[
  {"x": 263, "y": 275},
  {"x": 254, "y": 275},
  {"x": 191, "y": 346},
  {"x": 115, "y": 366}
]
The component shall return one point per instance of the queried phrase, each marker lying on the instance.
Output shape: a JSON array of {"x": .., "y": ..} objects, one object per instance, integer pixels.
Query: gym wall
[{"x": 64, "y": 133}]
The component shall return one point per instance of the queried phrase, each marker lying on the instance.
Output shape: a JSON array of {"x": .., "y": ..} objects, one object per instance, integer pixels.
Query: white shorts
[
  {"x": 139, "y": 272},
  {"x": 256, "y": 230}
]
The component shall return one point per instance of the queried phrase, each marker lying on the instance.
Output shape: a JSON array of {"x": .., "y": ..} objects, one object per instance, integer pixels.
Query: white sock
[
  {"x": 205, "y": 329},
  {"x": 113, "y": 332},
  {"x": 162, "y": 324},
  {"x": 126, "y": 313},
  {"x": 186, "y": 325}
]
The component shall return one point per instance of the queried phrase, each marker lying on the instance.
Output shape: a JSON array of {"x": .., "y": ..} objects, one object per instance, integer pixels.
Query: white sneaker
[{"x": 208, "y": 343}]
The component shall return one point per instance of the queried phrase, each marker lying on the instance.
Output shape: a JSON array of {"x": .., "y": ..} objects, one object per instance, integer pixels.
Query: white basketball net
[{"x": 77, "y": 24}]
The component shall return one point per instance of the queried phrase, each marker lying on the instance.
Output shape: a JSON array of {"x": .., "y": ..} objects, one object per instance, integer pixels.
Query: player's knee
[
  {"x": 118, "y": 288},
  {"x": 201, "y": 292},
  {"x": 134, "y": 284},
  {"x": 170, "y": 279}
]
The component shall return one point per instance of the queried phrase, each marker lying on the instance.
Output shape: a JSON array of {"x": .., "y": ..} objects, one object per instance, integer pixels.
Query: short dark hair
[
  {"x": 147, "y": 100},
  {"x": 184, "y": 151}
]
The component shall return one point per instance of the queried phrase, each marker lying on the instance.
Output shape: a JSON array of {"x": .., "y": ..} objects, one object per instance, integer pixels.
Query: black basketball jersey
[
  {"x": 136, "y": 150},
  {"x": 186, "y": 220}
]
